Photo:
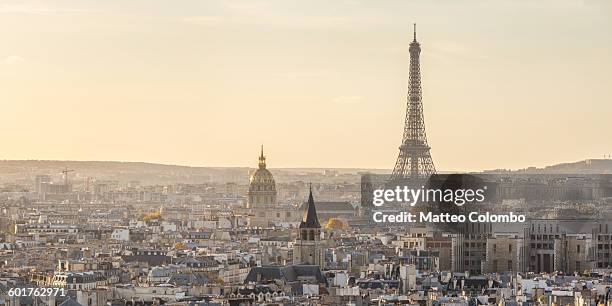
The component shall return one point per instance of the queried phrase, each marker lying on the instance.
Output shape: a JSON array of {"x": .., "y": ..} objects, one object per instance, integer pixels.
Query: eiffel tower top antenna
[{"x": 414, "y": 26}]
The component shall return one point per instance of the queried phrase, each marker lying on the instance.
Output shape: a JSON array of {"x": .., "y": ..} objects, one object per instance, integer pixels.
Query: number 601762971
[{"x": 36, "y": 292}]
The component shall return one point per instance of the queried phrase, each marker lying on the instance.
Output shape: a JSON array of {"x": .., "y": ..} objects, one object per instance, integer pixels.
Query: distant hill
[
  {"x": 588, "y": 166},
  {"x": 152, "y": 173},
  {"x": 147, "y": 173},
  {"x": 594, "y": 166}
]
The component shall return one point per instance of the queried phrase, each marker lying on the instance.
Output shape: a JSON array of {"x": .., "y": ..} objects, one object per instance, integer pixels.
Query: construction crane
[{"x": 65, "y": 173}]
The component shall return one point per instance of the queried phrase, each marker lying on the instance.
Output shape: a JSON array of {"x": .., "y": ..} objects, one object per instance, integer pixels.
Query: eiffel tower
[{"x": 414, "y": 164}]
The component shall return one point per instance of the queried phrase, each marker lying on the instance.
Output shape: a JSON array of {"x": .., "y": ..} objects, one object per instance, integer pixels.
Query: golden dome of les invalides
[{"x": 262, "y": 187}]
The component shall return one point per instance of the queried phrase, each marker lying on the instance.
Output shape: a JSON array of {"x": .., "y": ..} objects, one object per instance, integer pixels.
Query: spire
[
  {"x": 414, "y": 27},
  {"x": 262, "y": 159},
  {"x": 310, "y": 219}
]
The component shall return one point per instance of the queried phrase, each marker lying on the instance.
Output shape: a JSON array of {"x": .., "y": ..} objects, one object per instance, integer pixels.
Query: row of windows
[
  {"x": 308, "y": 235},
  {"x": 495, "y": 248},
  {"x": 544, "y": 237},
  {"x": 438, "y": 244},
  {"x": 544, "y": 228},
  {"x": 475, "y": 244},
  {"x": 544, "y": 246},
  {"x": 262, "y": 187},
  {"x": 262, "y": 199},
  {"x": 549, "y": 228},
  {"x": 150, "y": 253}
]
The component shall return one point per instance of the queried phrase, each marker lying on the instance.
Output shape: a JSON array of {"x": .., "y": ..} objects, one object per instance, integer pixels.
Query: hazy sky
[{"x": 507, "y": 84}]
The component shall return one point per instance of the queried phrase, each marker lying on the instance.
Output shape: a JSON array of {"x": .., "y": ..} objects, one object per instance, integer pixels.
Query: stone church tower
[{"x": 309, "y": 248}]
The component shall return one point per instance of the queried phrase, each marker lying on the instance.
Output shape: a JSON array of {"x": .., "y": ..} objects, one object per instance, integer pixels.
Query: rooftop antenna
[{"x": 414, "y": 26}]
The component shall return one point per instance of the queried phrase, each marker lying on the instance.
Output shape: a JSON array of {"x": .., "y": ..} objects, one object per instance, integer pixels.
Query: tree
[{"x": 336, "y": 224}]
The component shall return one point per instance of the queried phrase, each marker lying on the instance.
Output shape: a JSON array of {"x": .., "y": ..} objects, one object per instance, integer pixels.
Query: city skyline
[{"x": 207, "y": 83}]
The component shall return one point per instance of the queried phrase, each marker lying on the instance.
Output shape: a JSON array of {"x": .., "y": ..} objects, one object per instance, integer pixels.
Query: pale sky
[{"x": 506, "y": 84}]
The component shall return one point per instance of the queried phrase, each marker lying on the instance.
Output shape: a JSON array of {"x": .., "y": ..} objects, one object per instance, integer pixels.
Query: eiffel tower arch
[{"x": 414, "y": 165}]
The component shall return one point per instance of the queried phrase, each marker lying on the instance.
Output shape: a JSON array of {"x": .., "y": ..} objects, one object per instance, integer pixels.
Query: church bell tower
[{"x": 309, "y": 248}]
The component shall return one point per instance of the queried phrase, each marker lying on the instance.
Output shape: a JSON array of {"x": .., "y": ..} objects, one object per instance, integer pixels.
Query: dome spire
[{"x": 262, "y": 159}]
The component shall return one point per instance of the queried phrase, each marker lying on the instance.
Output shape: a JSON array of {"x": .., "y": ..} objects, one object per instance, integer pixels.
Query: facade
[
  {"x": 469, "y": 247},
  {"x": 121, "y": 234},
  {"x": 572, "y": 253},
  {"x": 602, "y": 248},
  {"x": 504, "y": 253}
]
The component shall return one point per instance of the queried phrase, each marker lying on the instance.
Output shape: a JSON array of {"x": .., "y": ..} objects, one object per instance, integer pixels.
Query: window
[{"x": 509, "y": 248}]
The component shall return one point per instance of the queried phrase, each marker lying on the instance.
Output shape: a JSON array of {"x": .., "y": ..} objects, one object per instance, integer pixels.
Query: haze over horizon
[
  {"x": 255, "y": 166},
  {"x": 321, "y": 84}
]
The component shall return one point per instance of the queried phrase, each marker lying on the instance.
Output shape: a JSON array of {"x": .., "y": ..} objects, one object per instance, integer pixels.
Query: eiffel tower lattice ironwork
[{"x": 414, "y": 163}]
